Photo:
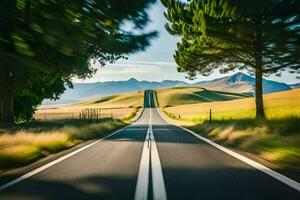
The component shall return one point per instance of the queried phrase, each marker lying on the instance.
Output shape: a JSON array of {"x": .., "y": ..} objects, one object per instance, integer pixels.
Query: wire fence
[{"x": 89, "y": 113}]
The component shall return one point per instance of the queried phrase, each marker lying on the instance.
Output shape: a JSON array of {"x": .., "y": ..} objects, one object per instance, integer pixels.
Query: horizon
[{"x": 192, "y": 82}]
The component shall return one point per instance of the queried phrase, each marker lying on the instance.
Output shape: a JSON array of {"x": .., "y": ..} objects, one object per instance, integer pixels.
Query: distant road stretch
[{"x": 151, "y": 159}]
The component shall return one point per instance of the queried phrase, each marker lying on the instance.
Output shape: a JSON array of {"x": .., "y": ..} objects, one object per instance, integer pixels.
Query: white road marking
[
  {"x": 158, "y": 184},
  {"x": 284, "y": 179},
  {"x": 141, "y": 190},
  {"x": 42, "y": 168},
  {"x": 150, "y": 152}
]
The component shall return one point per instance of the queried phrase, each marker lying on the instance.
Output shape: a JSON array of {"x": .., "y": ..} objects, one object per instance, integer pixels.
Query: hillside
[
  {"x": 117, "y": 106},
  {"x": 242, "y": 83},
  {"x": 277, "y": 105},
  {"x": 191, "y": 95},
  {"x": 237, "y": 83}
]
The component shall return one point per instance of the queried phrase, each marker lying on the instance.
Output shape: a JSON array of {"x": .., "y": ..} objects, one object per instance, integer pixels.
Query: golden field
[
  {"x": 274, "y": 140},
  {"x": 277, "y": 105},
  {"x": 116, "y": 106},
  {"x": 24, "y": 143}
]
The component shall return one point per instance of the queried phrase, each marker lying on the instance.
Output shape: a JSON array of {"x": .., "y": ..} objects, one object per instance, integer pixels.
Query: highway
[{"x": 151, "y": 159}]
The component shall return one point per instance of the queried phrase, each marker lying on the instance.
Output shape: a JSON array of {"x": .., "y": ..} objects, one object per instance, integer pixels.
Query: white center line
[
  {"x": 158, "y": 184},
  {"x": 150, "y": 152},
  {"x": 141, "y": 190}
]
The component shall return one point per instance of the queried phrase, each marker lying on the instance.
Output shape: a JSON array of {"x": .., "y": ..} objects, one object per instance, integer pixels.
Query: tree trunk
[
  {"x": 7, "y": 104},
  {"x": 260, "y": 113}
]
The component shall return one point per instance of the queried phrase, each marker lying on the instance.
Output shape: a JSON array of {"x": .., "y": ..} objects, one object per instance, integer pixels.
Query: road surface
[{"x": 149, "y": 159}]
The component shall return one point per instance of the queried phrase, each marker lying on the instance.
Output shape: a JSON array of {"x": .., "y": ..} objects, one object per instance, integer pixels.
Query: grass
[
  {"x": 277, "y": 106},
  {"x": 275, "y": 139},
  {"x": 118, "y": 106},
  {"x": 189, "y": 95},
  {"x": 22, "y": 146},
  {"x": 26, "y": 143}
]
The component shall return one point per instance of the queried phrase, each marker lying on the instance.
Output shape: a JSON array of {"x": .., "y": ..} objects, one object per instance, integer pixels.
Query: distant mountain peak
[
  {"x": 132, "y": 80},
  {"x": 240, "y": 78}
]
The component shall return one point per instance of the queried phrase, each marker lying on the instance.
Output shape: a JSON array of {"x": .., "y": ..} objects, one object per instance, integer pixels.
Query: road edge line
[
  {"x": 280, "y": 177},
  {"x": 58, "y": 160}
]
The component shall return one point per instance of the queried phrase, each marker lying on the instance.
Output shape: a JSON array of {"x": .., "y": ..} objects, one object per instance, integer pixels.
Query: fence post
[{"x": 210, "y": 116}]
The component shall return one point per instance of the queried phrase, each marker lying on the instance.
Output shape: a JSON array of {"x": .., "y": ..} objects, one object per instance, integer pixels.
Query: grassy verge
[
  {"x": 276, "y": 141},
  {"x": 22, "y": 145},
  {"x": 26, "y": 143}
]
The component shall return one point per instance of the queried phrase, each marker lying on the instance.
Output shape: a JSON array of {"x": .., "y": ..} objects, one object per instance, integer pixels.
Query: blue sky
[{"x": 156, "y": 63}]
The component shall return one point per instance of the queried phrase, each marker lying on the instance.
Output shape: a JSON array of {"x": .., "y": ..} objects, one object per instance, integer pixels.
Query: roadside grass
[
  {"x": 25, "y": 143},
  {"x": 21, "y": 144},
  {"x": 275, "y": 139}
]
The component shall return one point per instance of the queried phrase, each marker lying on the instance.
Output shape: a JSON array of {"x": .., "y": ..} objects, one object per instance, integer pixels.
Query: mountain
[
  {"x": 243, "y": 83},
  {"x": 238, "y": 83},
  {"x": 296, "y": 85},
  {"x": 83, "y": 91}
]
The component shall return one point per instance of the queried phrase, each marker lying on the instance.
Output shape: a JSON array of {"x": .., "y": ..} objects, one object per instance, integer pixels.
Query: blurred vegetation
[
  {"x": 20, "y": 145},
  {"x": 44, "y": 44}
]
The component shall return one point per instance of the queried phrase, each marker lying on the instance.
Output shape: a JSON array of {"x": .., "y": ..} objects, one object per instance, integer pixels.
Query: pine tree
[{"x": 261, "y": 36}]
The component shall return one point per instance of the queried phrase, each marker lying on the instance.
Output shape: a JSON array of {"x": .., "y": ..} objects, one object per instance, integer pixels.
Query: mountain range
[{"x": 238, "y": 83}]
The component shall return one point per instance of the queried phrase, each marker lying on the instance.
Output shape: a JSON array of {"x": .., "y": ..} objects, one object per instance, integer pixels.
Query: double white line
[{"x": 150, "y": 157}]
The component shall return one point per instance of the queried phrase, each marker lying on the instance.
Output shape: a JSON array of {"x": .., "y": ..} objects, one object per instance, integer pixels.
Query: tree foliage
[
  {"x": 261, "y": 36},
  {"x": 44, "y": 44}
]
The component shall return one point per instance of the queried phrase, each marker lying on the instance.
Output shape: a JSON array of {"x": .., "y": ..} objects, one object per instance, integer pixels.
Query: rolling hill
[
  {"x": 242, "y": 83},
  {"x": 190, "y": 95},
  {"x": 237, "y": 83},
  {"x": 277, "y": 105}
]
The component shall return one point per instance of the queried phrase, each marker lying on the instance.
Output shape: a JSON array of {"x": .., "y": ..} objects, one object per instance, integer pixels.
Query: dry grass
[
  {"x": 277, "y": 106},
  {"x": 116, "y": 106},
  {"x": 276, "y": 139},
  {"x": 26, "y": 143}
]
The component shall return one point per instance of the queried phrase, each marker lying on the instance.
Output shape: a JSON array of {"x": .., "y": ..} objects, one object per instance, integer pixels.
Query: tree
[
  {"x": 261, "y": 36},
  {"x": 44, "y": 44}
]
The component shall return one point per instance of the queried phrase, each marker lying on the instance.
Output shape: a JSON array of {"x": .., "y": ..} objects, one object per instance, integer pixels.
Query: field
[
  {"x": 274, "y": 140},
  {"x": 277, "y": 106},
  {"x": 21, "y": 144},
  {"x": 116, "y": 106}
]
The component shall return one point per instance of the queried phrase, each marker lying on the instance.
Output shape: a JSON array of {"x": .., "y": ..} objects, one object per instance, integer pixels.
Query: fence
[{"x": 89, "y": 113}]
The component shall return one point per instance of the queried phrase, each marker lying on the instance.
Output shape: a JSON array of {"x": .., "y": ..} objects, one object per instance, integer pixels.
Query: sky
[{"x": 156, "y": 62}]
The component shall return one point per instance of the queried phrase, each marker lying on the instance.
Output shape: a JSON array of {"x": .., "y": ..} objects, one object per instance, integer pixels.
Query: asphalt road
[{"x": 150, "y": 159}]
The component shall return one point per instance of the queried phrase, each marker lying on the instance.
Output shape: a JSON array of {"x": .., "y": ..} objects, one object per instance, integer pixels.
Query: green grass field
[
  {"x": 189, "y": 95},
  {"x": 275, "y": 139}
]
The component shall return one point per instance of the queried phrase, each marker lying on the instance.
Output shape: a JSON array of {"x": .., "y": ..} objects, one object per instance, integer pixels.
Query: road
[{"x": 150, "y": 159}]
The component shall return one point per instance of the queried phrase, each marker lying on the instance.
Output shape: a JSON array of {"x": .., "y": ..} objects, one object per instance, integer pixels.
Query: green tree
[
  {"x": 44, "y": 44},
  {"x": 261, "y": 36}
]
